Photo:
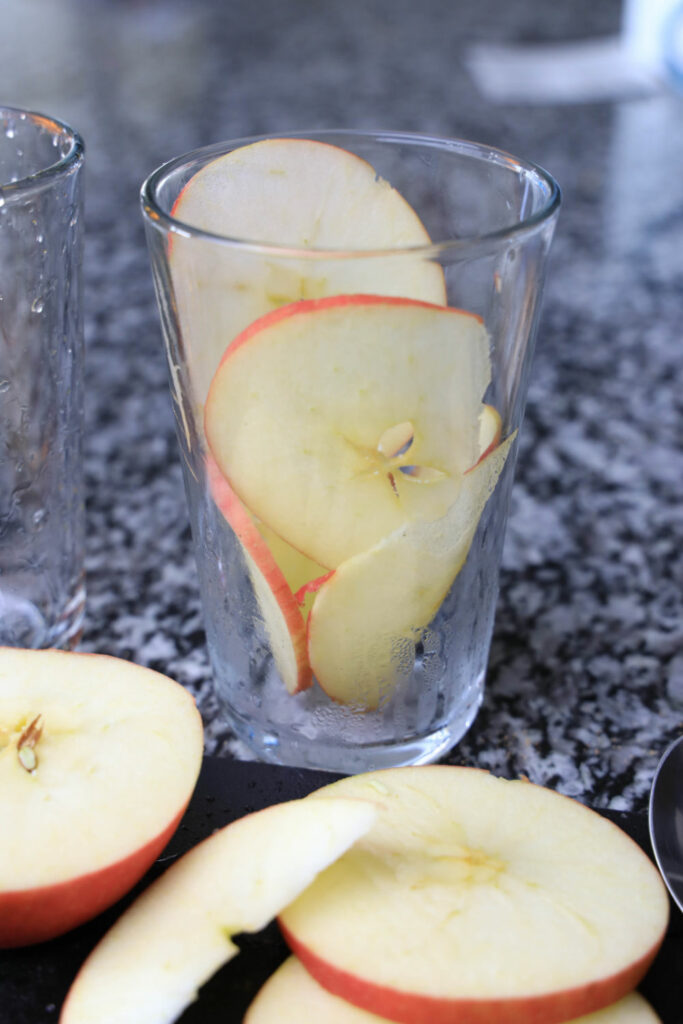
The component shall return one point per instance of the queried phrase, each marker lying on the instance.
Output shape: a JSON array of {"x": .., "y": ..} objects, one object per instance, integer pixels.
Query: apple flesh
[
  {"x": 151, "y": 963},
  {"x": 282, "y": 616},
  {"x": 477, "y": 900},
  {"x": 305, "y": 411},
  {"x": 292, "y": 996},
  {"x": 297, "y": 194},
  {"x": 98, "y": 760},
  {"x": 370, "y": 613},
  {"x": 490, "y": 430}
]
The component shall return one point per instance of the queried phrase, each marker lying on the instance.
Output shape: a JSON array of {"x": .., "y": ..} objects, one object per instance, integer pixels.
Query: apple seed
[{"x": 26, "y": 747}]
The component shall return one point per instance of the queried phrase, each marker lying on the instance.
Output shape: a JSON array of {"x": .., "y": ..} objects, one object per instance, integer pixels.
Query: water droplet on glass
[
  {"x": 5, "y": 385},
  {"x": 37, "y": 306}
]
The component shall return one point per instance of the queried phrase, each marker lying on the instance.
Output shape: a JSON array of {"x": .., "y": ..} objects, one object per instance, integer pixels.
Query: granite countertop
[{"x": 585, "y": 687}]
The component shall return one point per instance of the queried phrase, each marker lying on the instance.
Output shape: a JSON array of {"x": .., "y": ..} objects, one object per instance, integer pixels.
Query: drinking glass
[
  {"x": 42, "y": 591},
  {"x": 340, "y": 638}
]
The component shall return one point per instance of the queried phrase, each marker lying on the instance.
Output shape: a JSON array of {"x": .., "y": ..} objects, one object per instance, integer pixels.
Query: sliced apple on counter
[
  {"x": 297, "y": 194},
  {"x": 282, "y": 615},
  {"x": 338, "y": 421},
  {"x": 292, "y": 996},
  {"x": 477, "y": 900},
  {"x": 370, "y": 613},
  {"x": 151, "y": 963},
  {"x": 98, "y": 760}
]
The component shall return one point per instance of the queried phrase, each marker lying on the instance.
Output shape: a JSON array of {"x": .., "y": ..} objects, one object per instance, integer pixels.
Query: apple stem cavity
[{"x": 26, "y": 747}]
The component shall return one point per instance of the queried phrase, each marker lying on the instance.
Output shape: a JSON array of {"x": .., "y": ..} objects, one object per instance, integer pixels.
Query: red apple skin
[
  {"x": 312, "y": 587},
  {"x": 239, "y": 519},
  {"x": 35, "y": 915},
  {"x": 411, "y": 1008},
  {"x": 313, "y": 305}
]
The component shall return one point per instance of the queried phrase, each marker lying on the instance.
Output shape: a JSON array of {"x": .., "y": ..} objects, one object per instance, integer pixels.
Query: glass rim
[
  {"x": 43, "y": 177},
  {"x": 161, "y": 219}
]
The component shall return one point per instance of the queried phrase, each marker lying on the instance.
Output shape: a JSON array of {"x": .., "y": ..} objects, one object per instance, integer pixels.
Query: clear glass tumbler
[
  {"x": 349, "y": 321},
  {"x": 42, "y": 592}
]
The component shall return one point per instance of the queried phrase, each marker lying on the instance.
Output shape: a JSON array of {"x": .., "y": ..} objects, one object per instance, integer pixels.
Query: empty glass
[{"x": 42, "y": 592}]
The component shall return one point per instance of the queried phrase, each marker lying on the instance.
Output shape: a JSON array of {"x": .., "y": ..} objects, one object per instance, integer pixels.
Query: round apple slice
[
  {"x": 98, "y": 760},
  {"x": 370, "y": 613},
  {"x": 300, "y": 194},
  {"x": 477, "y": 900},
  {"x": 150, "y": 964},
  {"x": 292, "y": 996},
  {"x": 338, "y": 421}
]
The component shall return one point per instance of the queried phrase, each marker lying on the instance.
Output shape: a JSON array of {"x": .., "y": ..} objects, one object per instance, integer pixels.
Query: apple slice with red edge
[
  {"x": 305, "y": 410},
  {"x": 150, "y": 964},
  {"x": 98, "y": 760},
  {"x": 490, "y": 430},
  {"x": 478, "y": 901},
  {"x": 292, "y": 996},
  {"x": 297, "y": 194},
  {"x": 368, "y": 616},
  {"x": 281, "y": 612}
]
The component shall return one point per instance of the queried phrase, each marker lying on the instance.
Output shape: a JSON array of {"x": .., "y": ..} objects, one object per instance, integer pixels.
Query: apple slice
[
  {"x": 477, "y": 900},
  {"x": 281, "y": 613},
  {"x": 98, "y": 760},
  {"x": 296, "y": 194},
  {"x": 338, "y": 421},
  {"x": 490, "y": 430},
  {"x": 292, "y": 996},
  {"x": 151, "y": 963},
  {"x": 370, "y": 613}
]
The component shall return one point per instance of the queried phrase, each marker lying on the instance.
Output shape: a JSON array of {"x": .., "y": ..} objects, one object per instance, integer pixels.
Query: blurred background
[{"x": 586, "y": 681}]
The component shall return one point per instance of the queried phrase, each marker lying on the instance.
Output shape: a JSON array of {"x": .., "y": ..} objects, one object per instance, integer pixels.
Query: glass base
[
  {"x": 23, "y": 624},
  {"x": 349, "y": 760}
]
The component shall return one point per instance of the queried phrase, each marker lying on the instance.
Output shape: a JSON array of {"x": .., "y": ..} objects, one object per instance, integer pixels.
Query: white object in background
[
  {"x": 644, "y": 30},
  {"x": 633, "y": 64}
]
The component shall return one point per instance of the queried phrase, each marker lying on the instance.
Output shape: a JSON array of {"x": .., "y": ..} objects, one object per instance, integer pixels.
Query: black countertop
[{"x": 585, "y": 687}]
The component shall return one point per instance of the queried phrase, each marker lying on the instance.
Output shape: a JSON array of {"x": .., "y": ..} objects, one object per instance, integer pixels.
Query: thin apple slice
[
  {"x": 298, "y": 194},
  {"x": 292, "y": 996},
  {"x": 370, "y": 613},
  {"x": 151, "y": 963},
  {"x": 98, "y": 760},
  {"x": 282, "y": 616},
  {"x": 305, "y": 404},
  {"x": 490, "y": 430},
  {"x": 478, "y": 900}
]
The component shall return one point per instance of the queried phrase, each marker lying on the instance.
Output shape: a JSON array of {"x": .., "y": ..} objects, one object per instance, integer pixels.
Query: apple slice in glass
[
  {"x": 368, "y": 616},
  {"x": 481, "y": 900},
  {"x": 150, "y": 964},
  {"x": 297, "y": 194},
  {"x": 292, "y": 996},
  {"x": 98, "y": 760},
  {"x": 305, "y": 410},
  {"x": 273, "y": 581}
]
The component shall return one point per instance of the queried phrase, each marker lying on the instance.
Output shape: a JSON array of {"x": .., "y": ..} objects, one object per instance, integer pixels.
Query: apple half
[
  {"x": 150, "y": 964},
  {"x": 478, "y": 901},
  {"x": 292, "y": 996},
  {"x": 294, "y": 194},
  {"x": 98, "y": 760},
  {"x": 370, "y": 613},
  {"x": 338, "y": 421}
]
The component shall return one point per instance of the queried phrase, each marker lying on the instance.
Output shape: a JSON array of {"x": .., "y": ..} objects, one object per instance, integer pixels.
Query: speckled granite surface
[{"x": 586, "y": 678}]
